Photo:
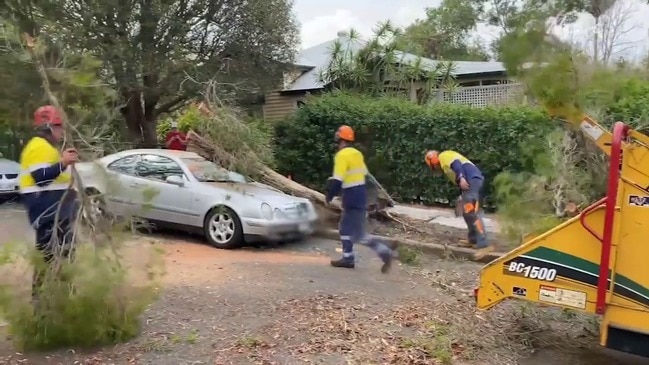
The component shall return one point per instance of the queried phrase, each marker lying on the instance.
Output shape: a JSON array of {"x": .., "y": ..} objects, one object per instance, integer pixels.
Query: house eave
[{"x": 301, "y": 91}]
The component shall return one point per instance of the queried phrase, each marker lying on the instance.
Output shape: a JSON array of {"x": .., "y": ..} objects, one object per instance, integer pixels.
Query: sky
[{"x": 321, "y": 21}]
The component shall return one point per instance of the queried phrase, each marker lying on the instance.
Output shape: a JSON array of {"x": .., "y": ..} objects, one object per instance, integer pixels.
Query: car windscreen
[{"x": 206, "y": 171}]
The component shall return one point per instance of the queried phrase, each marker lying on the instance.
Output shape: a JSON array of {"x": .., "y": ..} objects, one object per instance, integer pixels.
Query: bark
[
  {"x": 131, "y": 112},
  {"x": 140, "y": 122},
  {"x": 215, "y": 153}
]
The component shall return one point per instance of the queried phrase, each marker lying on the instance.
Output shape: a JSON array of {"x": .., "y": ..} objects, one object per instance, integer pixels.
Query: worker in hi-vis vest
[
  {"x": 45, "y": 187},
  {"x": 468, "y": 177},
  {"x": 349, "y": 178}
]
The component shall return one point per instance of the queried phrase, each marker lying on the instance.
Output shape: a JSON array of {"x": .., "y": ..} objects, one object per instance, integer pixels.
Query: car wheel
[{"x": 223, "y": 228}]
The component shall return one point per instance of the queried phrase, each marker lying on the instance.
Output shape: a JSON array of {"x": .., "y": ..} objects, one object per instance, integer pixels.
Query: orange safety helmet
[
  {"x": 432, "y": 158},
  {"x": 47, "y": 115},
  {"x": 346, "y": 133}
]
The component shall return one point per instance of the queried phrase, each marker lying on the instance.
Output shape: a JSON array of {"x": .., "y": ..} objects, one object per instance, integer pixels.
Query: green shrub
[
  {"x": 188, "y": 119},
  {"x": 394, "y": 135},
  {"x": 92, "y": 301},
  {"x": 630, "y": 104}
]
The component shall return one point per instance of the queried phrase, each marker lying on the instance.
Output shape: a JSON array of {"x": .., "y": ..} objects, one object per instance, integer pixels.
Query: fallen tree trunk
[
  {"x": 266, "y": 175},
  {"x": 328, "y": 213}
]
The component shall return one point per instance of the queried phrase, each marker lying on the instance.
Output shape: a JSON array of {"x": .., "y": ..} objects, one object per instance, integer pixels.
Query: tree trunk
[
  {"x": 596, "y": 40},
  {"x": 221, "y": 157},
  {"x": 149, "y": 134},
  {"x": 132, "y": 113},
  {"x": 141, "y": 126}
]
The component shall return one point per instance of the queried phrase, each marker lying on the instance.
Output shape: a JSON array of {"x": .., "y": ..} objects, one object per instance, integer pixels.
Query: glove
[{"x": 328, "y": 187}]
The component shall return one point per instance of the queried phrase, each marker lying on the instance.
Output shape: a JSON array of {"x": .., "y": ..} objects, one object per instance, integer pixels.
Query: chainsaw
[{"x": 459, "y": 209}]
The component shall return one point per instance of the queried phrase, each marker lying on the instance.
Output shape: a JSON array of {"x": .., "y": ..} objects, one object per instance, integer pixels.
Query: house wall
[{"x": 278, "y": 106}]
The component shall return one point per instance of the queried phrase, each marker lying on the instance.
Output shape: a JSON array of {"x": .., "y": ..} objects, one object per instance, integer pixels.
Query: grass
[
  {"x": 249, "y": 342},
  {"x": 409, "y": 256},
  {"x": 437, "y": 344},
  {"x": 165, "y": 343}
]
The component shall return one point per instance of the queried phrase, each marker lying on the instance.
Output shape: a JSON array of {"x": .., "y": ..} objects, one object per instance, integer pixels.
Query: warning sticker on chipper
[
  {"x": 568, "y": 298},
  {"x": 594, "y": 131}
]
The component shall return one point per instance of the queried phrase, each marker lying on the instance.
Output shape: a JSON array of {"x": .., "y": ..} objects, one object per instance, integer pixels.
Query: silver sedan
[
  {"x": 184, "y": 190},
  {"x": 9, "y": 172}
]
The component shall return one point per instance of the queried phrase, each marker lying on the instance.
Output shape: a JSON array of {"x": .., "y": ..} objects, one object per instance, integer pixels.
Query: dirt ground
[
  {"x": 433, "y": 233},
  {"x": 286, "y": 305}
]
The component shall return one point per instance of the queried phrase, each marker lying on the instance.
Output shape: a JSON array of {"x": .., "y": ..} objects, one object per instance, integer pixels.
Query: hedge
[{"x": 394, "y": 135}]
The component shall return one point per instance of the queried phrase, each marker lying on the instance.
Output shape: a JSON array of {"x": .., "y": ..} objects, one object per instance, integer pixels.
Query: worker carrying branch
[
  {"x": 349, "y": 178},
  {"x": 468, "y": 177},
  {"x": 45, "y": 188}
]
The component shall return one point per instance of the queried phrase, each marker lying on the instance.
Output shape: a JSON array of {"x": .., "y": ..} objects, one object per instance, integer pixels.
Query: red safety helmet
[
  {"x": 432, "y": 158},
  {"x": 47, "y": 115},
  {"x": 346, "y": 133}
]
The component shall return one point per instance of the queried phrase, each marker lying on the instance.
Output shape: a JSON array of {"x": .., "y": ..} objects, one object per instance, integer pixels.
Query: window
[
  {"x": 125, "y": 165},
  {"x": 157, "y": 167},
  {"x": 206, "y": 171}
]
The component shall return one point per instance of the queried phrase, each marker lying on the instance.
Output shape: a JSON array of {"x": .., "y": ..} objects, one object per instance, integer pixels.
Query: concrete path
[{"x": 444, "y": 217}]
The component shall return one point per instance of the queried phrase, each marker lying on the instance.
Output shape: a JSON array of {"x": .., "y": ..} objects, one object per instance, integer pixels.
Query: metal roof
[{"x": 319, "y": 56}]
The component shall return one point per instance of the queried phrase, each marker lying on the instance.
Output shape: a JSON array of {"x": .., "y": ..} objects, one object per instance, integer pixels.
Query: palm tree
[
  {"x": 377, "y": 67},
  {"x": 597, "y": 8}
]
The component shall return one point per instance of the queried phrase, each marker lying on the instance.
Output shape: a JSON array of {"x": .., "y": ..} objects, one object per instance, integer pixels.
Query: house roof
[{"x": 319, "y": 56}]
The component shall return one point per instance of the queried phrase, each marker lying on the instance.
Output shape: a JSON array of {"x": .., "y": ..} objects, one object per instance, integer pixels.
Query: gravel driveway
[{"x": 286, "y": 305}]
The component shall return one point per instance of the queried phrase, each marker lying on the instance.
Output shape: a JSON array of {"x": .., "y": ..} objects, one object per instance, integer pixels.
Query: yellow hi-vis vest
[
  {"x": 38, "y": 153},
  {"x": 349, "y": 167},
  {"x": 446, "y": 158}
]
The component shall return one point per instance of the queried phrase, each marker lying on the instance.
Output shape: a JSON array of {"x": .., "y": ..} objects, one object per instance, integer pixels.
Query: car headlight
[{"x": 266, "y": 211}]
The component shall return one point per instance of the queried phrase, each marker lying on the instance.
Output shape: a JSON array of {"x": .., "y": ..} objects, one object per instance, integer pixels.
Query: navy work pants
[
  {"x": 352, "y": 230},
  {"x": 59, "y": 246},
  {"x": 473, "y": 213}
]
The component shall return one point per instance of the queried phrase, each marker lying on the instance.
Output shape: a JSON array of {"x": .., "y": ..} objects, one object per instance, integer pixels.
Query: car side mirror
[{"x": 175, "y": 180}]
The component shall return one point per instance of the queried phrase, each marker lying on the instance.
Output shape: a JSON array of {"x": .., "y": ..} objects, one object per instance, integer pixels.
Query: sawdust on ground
[{"x": 287, "y": 306}]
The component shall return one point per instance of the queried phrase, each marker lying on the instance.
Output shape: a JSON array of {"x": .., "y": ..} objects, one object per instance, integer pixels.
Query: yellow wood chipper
[{"x": 598, "y": 261}]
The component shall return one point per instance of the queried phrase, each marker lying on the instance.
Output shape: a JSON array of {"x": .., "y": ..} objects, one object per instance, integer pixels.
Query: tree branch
[{"x": 171, "y": 104}]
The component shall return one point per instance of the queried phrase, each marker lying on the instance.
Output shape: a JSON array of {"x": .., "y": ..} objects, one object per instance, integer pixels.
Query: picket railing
[{"x": 482, "y": 96}]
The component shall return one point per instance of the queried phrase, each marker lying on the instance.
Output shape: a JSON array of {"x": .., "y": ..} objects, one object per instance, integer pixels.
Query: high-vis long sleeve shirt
[
  {"x": 456, "y": 166},
  {"x": 349, "y": 176},
  {"x": 44, "y": 181}
]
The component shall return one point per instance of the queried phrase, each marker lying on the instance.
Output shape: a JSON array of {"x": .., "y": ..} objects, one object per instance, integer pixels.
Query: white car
[
  {"x": 185, "y": 190},
  {"x": 9, "y": 171}
]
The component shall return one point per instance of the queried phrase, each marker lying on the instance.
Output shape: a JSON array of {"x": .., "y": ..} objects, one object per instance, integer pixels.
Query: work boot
[
  {"x": 482, "y": 252},
  {"x": 344, "y": 262},
  {"x": 387, "y": 262},
  {"x": 465, "y": 244}
]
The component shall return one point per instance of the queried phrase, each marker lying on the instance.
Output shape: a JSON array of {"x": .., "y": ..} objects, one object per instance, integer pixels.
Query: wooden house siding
[{"x": 278, "y": 106}]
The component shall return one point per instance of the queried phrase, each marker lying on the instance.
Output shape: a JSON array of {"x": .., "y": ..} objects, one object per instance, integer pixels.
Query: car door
[
  {"x": 120, "y": 190},
  {"x": 165, "y": 202}
]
